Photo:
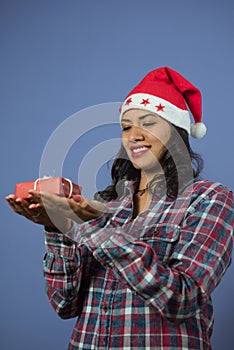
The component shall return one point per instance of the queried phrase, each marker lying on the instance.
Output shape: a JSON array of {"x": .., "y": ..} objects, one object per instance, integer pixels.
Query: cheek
[
  {"x": 124, "y": 142},
  {"x": 161, "y": 137}
]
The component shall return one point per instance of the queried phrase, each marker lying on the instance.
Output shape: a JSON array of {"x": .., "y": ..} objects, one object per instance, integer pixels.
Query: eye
[
  {"x": 126, "y": 127},
  {"x": 148, "y": 124}
]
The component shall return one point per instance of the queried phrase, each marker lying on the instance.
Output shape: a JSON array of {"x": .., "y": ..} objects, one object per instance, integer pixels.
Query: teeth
[{"x": 140, "y": 149}]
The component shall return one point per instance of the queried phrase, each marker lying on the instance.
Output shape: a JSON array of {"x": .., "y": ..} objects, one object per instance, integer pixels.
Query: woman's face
[{"x": 144, "y": 137}]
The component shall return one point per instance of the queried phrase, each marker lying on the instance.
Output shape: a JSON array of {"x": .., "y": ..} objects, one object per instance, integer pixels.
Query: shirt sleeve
[
  {"x": 62, "y": 267},
  {"x": 178, "y": 288},
  {"x": 62, "y": 272}
]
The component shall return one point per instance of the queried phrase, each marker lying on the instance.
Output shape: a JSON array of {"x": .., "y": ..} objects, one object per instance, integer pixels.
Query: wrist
[{"x": 63, "y": 227}]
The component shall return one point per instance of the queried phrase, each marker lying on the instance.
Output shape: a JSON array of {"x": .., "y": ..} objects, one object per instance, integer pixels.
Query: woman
[{"x": 137, "y": 266}]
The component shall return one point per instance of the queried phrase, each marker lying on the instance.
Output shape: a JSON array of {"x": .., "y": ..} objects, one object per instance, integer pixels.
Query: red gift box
[{"x": 54, "y": 185}]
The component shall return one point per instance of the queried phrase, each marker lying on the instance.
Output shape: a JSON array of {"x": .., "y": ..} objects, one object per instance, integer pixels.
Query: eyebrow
[{"x": 140, "y": 118}]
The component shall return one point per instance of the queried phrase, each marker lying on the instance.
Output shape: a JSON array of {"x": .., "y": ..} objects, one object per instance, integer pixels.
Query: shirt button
[{"x": 105, "y": 308}]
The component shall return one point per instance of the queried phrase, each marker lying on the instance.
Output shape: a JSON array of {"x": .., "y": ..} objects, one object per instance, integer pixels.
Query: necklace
[{"x": 141, "y": 192}]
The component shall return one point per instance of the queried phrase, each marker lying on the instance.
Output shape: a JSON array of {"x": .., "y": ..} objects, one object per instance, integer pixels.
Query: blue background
[{"x": 58, "y": 57}]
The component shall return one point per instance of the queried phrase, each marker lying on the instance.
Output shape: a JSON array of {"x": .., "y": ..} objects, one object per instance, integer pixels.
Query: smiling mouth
[{"x": 140, "y": 150}]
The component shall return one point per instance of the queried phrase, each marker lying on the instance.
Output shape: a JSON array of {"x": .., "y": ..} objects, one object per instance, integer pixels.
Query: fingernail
[{"x": 76, "y": 198}]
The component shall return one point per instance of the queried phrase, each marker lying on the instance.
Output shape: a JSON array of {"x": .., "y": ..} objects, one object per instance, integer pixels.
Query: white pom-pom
[{"x": 198, "y": 130}]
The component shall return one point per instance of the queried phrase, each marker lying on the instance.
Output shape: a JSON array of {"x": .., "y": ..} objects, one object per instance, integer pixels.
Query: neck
[
  {"x": 145, "y": 180},
  {"x": 142, "y": 191},
  {"x": 143, "y": 185}
]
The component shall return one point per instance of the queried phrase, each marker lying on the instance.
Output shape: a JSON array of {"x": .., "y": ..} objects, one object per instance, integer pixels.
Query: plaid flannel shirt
[{"x": 143, "y": 283}]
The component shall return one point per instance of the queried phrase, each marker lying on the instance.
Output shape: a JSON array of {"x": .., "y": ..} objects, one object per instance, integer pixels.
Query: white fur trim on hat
[{"x": 177, "y": 116}]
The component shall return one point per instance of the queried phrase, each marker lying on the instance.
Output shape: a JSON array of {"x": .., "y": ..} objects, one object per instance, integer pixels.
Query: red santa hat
[{"x": 167, "y": 93}]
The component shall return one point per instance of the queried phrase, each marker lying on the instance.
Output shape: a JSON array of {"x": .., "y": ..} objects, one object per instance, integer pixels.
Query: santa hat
[{"x": 168, "y": 94}]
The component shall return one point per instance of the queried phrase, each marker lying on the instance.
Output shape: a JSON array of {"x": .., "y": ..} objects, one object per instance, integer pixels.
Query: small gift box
[{"x": 55, "y": 185}]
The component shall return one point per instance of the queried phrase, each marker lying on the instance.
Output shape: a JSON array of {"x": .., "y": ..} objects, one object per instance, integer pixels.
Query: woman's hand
[{"x": 54, "y": 212}]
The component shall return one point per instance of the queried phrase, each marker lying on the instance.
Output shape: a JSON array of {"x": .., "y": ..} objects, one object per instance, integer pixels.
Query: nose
[{"x": 135, "y": 134}]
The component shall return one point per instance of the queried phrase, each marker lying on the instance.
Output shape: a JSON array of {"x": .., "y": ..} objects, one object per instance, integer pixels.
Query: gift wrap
[{"x": 55, "y": 185}]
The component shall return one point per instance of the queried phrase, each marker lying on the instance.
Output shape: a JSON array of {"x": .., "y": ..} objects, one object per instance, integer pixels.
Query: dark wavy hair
[{"x": 180, "y": 165}]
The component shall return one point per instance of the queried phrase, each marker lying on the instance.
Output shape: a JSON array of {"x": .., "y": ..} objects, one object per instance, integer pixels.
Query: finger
[
  {"x": 84, "y": 204},
  {"x": 41, "y": 200},
  {"x": 77, "y": 198},
  {"x": 21, "y": 206},
  {"x": 10, "y": 196},
  {"x": 35, "y": 206},
  {"x": 18, "y": 206},
  {"x": 47, "y": 199},
  {"x": 86, "y": 209},
  {"x": 30, "y": 211},
  {"x": 34, "y": 213},
  {"x": 10, "y": 199},
  {"x": 35, "y": 195}
]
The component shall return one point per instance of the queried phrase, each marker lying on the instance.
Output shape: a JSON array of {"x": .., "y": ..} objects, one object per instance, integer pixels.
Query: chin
[
  {"x": 136, "y": 166},
  {"x": 148, "y": 168}
]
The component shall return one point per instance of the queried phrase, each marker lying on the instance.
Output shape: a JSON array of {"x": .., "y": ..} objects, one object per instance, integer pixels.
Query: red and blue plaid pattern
[{"x": 143, "y": 283}]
